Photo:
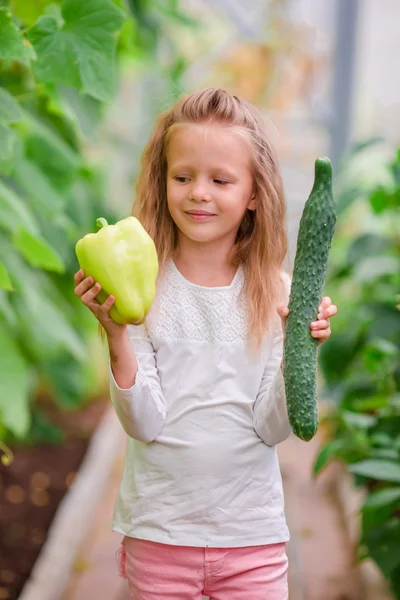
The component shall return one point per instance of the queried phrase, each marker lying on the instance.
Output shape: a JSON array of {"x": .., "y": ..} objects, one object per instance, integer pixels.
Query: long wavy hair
[{"x": 261, "y": 241}]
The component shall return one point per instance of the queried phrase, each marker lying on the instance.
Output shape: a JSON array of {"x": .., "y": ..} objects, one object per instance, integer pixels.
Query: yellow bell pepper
[{"x": 123, "y": 259}]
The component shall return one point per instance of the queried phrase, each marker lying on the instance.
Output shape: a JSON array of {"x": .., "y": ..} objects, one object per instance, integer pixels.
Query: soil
[{"x": 31, "y": 489}]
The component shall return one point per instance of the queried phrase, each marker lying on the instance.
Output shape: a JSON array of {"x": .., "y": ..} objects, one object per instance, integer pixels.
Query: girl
[{"x": 199, "y": 388}]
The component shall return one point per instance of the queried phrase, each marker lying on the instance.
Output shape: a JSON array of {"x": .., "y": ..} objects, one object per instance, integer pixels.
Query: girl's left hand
[{"x": 321, "y": 328}]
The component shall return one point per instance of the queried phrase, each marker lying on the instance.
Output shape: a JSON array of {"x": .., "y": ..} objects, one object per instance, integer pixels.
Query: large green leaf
[
  {"x": 173, "y": 13},
  {"x": 373, "y": 267},
  {"x": 326, "y": 453},
  {"x": 28, "y": 11},
  {"x": 14, "y": 211},
  {"x": 80, "y": 52},
  {"x": 85, "y": 111},
  {"x": 13, "y": 46},
  {"x": 69, "y": 378},
  {"x": 44, "y": 316},
  {"x": 386, "y": 323},
  {"x": 48, "y": 330},
  {"x": 361, "y": 420},
  {"x": 50, "y": 152},
  {"x": 390, "y": 453},
  {"x": 10, "y": 110},
  {"x": 5, "y": 281},
  {"x": 382, "y": 200},
  {"x": 8, "y": 140},
  {"x": 37, "y": 251},
  {"x": 384, "y": 545},
  {"x": 367, "y": 244},
  {"x": 377, "y": 469},
  {"x": 371, "y": 403},
  {"x": 382, "y": 498},
  {"x": 376, "y": 517},
  {"x": 6, "y": 310},
  {"x": 38, "y": 188},
  {"x": 14, "y": 385}
]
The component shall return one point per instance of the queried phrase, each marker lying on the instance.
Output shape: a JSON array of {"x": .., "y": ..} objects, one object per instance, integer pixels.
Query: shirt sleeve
[
  {"x": 270, "y": 418},
  {"x": 141, "y": 409}
]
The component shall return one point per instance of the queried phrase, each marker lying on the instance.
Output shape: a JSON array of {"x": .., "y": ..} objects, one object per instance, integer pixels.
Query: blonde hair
[{"x": 261, "y": 242}]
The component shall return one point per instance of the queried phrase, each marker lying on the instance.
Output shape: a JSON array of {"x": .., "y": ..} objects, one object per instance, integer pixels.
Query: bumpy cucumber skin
[{"x": 316, "y": 229}]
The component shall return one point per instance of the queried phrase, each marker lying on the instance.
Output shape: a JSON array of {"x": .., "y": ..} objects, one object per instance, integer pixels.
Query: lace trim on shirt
[{"x": 183, "y": 311}]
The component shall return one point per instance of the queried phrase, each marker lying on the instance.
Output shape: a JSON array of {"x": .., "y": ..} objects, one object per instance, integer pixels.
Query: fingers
[
  {"x": 320, "y": 329},
  {"x": 283, "y": 311},
  {"x": 79, "y": 275},
  {"x": 320, "y": 324},
  {"x": 321, "y": 336},
  {"x": 326, "y": 309},
  {"x": 91, "y": 292},
  {"x": 87, "y": 290},
  {"x": 321, "y": 333},
  {"x": 107, "y": 304},
  {"x": 83, "y": 285}
]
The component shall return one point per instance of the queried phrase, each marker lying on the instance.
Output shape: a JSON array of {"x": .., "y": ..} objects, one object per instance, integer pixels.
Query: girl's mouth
[{"x": 199, "y": 215}]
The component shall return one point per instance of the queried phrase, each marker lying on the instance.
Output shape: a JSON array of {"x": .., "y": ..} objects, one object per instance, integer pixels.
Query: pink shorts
[{"x": 156, "y": 571}]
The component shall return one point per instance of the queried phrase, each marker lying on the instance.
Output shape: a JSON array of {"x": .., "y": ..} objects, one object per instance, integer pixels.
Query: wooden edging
[
  {"x": 374, "y": 586},
  {"x": 51, "y": 572}
]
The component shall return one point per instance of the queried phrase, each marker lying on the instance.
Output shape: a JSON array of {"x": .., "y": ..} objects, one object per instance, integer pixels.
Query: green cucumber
[{"x": 316, "y": 229}]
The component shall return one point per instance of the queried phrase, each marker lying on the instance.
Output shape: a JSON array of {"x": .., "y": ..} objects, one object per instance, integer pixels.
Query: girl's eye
[
  {"x": 221, "y": 182},
  {"x": 181, "y": 179}
]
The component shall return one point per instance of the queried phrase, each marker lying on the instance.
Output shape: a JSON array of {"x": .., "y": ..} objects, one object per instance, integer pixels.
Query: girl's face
[{"x": 209, "y": 182}]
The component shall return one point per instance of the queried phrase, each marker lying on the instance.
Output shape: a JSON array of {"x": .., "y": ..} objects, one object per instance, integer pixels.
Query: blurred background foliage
[
  {"x": 59, "y": 69},
  {"x": 361, "y": 362}
]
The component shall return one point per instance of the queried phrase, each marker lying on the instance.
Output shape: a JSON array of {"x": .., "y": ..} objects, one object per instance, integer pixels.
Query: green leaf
[
  {"x": 85, "y": 111},
  {"x": 14, "y": 211},
  {"x": 5, "y": 281},
  {"x": 382, "y": 498},
  {"x": 38, "y": 188},
  {"x": 367, "y": 244},
  {"x": 10, "y": 110},
  {"x": 43, "y": 430},
  {"x": 13, "y": 46},
  {"x": 14, "y": 385},
  {"x": 381, "y": 438},
  {"x": 37, "y": 251},
  {"x": 380, "y": 348},
  {"x": 377, "y": 266},
  {"x": 370, "y": 403},
  {"x": 6, "y": 310},
  {"x": 81, "y": 51},
  {"x": 44, "y": 314},
  {"x": 28, "y": 11},
  {"x": 384, "y": 545},
  {"x": 175, "y": 14},
  {"x": 50, "y": 152},
  {"x": 382, "y": 199},
  {"x": 358, "y": 419},
  {"x": 390, "y": 453},
  {"x": 8, "y": 141},
  {"x": 48, "y": 327},
  {"x": 68, "y": 378},
  {"x": 326, "y": 454},
  {"x": 382, "y": 470}
]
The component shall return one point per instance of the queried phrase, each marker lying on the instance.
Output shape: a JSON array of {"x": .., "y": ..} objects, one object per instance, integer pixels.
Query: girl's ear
[{"x": 252, "y": 204}]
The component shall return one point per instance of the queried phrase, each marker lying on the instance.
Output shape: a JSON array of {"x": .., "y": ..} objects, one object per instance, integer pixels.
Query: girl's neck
[{"x": 205, "y": 264}]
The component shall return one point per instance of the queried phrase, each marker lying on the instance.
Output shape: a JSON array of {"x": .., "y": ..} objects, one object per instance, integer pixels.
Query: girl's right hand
[{"x": 87, "y": 289}]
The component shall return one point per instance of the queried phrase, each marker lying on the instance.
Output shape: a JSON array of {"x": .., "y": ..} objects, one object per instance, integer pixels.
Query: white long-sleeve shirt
[{"x": 203, "y": 419}]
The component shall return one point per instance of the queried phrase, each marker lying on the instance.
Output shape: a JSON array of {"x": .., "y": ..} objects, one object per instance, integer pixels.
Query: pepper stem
[{"x": 101, "y": 222}]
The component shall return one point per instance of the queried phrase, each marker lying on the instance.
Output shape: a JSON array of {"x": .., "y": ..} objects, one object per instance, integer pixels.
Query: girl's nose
[{"x": 199, "y": 193}]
